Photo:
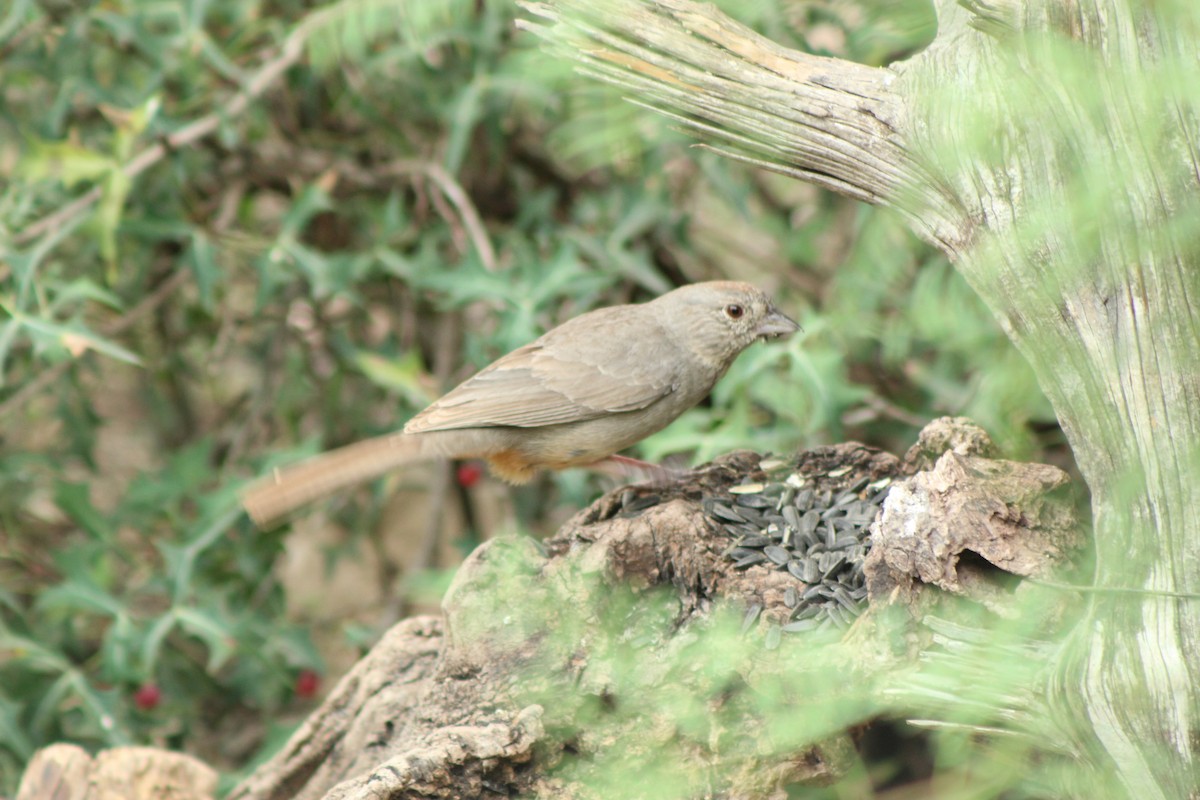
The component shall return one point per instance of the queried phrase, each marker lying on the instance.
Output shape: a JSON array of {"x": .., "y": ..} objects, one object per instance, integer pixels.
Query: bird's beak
[{"x": 776, "y": 325}]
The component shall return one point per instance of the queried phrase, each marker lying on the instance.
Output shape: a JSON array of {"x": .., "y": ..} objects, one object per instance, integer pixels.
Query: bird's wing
[{"x": 604, "y": 362}]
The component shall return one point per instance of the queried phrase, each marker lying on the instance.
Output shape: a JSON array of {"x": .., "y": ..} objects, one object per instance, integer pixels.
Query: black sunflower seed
[
  {"x": 722, "y": 511},
  {"x": 786, "y": 496},
  {"x": 837, "y": 562},
  {"x": 752, "y": 516},
  {"x": 755, "y": 557},
  {"x": 777, "y": 554},
  {"x": 804, "y": 499},
  {"x": 754, "y": 501},
  {"x": 800, "y": 625},
  {"x": 641, "y": 503},
  {"x": 751, "y": 615},
  {"x": 833, "y": 511},
  {"x": 807, "y": 611},
  {"x": 772, "y": 518},
  {"x": 844, "y": 541},
  {"x": 811, "y": 572},
  {"x": 843, "y": 597},
  {"x": 773, "y": 637},
  {"x": 791, "y": 516}
]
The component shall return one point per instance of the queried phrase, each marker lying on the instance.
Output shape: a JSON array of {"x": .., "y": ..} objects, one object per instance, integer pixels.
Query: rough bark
[
  {"x": 1001, "y": 511},
  {"x": 1070, "y": 221}
]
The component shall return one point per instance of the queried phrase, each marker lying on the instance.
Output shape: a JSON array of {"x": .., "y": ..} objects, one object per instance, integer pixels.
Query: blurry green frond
[{"x": 347, "y": 30}]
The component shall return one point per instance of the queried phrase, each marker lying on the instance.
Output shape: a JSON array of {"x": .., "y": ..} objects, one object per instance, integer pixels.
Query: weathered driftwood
[
  {"x": 445, "y": 708},
  {"x": 1049, "y": 149}
]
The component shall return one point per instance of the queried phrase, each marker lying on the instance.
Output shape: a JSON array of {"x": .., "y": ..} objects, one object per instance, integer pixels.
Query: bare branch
[{"x": 831, "y": 118}]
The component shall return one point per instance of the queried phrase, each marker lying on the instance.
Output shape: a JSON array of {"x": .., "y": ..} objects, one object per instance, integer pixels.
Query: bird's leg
[{"x": 634, "y": 470}]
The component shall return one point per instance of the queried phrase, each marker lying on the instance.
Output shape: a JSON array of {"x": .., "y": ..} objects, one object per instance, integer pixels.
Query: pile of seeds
[{"x": 818, "y": 536}]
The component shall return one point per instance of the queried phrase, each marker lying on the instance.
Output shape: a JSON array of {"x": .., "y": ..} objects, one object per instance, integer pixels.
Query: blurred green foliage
[
  {"x": 420, "y": 192},
  {"x": 665, "y": 701}
]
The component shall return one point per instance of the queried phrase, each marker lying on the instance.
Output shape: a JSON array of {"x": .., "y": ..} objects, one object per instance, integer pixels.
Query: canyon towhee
[{"x": 586, "y": 389}]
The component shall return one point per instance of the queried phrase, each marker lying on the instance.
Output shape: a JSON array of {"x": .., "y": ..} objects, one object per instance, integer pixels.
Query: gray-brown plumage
[{"x": 594, "y": 385}]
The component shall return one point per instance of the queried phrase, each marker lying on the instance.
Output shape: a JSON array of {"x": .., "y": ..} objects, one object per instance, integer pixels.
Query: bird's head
[{"x": 720, "y": 319}]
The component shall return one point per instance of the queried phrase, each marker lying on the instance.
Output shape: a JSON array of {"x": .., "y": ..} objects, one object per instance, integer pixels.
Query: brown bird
[{"x": 581, "y": 392}]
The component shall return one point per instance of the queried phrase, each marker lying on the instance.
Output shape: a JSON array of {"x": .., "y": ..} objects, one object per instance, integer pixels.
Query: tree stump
[{"x": 525, "y": 688}]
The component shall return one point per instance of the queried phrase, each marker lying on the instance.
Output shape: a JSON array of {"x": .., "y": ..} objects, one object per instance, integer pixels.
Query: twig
[
  {"x": 51, "y": 374},
  {"x": 458, "y": 197},
  {"x": 877, "y": 407}
]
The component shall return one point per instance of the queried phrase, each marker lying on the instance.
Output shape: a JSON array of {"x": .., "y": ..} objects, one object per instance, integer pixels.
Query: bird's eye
[{"x": 734, "y": 311}]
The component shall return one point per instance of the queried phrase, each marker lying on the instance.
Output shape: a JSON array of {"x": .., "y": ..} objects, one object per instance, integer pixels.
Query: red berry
[
  {"x": 469, "y": 474},
  {"x": 147, "y": 697},
  {"x": 307, "y": 683}
]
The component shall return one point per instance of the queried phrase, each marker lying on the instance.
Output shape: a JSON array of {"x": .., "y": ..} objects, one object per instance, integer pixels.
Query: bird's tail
[{"x": 290, "y": 487}]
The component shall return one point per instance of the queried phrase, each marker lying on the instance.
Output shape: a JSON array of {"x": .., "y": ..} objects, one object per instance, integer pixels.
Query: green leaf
[
  {"x": 405, "y": 375},
  {"x": 130, "y": 124},
  {"x": 219, "y": 638},
  {"x": 158, "y": 494},
  {"x": 16, "y": 19},
  {"x": 41, "y": 722},
  {"x": 32, "y": 654},
  {"x": 25, "y": 264},
  {"x": 8, "y": 334},
  {"x": 152, "y": 645},
  {"x": 201, "y": 259},
  {"x": 68, "y": 162},
  {"x": 75, "y": 596},
  {"x": 74, "y": 499},
  {"x": 108, "y": 217},
  {"x": 9, "y": 600},
  {"x": 76, "y": 339},
  {"x": 13, "y": 733},
  {"x": 82, "y": 289},
  {"x": 466, "y": 112},
  {"x": 181, "y": 561},
  {"x": 311, "y": 202},
  {"x": 116, "y": 651}
]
